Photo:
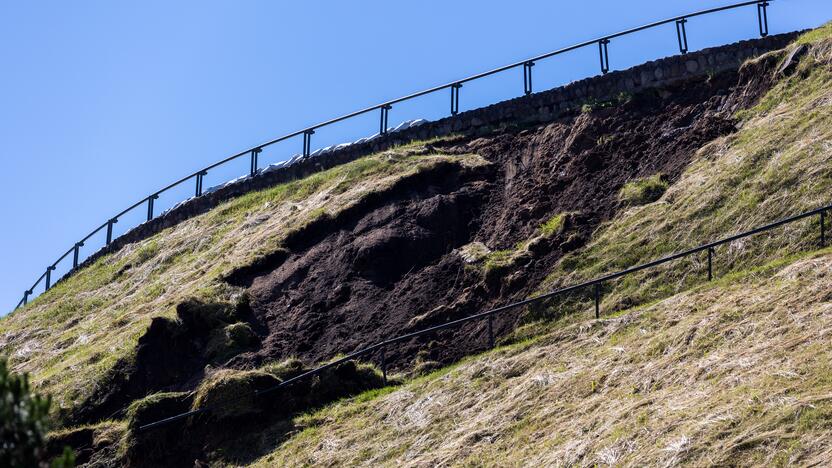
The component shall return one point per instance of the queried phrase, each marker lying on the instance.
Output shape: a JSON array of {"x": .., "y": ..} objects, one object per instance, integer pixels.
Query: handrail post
[
  {"x": 491, "y": 331},
  {"x": 682, "y": 35},
  {"x": 110, "y": 230},
  {"x": 150, "y": 200},
  {"x": 823, "y": 229},
  {"x": 26, "y": 295},
  {"x": 710, "y": 263},
  {"x": 77, "y": 247},
  {"x": 49, "y": 270},
  {"x": 307, "y": 142},
  {"x": 199, "y": 177},
  {"x": 762, "y": 18},
  {"x": 383, "y": 365},
  {"x": 527, "y": 77},
  {"x": 597, "y": 300},
  {"x": 385, "y": 112},
  {"x": 455, "y": 98},
  {"x": 254, "y": 160},
  {"x": 605, "y": 55}
]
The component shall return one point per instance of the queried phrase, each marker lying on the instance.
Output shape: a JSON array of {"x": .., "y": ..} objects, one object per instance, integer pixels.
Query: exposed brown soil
[
  {"x": 391, "y": 266},
  {"x": 170, "y": 356}
]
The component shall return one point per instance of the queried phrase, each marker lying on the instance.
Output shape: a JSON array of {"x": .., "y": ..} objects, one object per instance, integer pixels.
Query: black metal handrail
[
  {"x": 603, "y": 42},
  {"x": 594, "y": 283}
]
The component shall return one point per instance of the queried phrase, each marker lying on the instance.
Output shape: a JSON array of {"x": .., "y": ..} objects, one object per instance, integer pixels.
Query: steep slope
[
  {"x": 733, "y": 373},
  {"x": 79, "y": 340},
  {"x": 220, "y": 304},
  {"x": 730, "y": 373},
  {"x": 391, "y": 239},
  {"x": 777, "y": 165},
  {"x": 392, "y": 266}
]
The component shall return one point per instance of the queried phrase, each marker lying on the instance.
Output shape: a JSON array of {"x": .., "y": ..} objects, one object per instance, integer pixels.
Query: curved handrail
[{"x": 385, "y": 106}]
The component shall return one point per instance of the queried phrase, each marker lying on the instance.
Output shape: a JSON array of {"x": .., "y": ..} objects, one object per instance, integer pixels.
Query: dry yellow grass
[
  {"x": 733, "y": 373},
  {"x": 71, "y": 336},
  {"x": 775, "y": 166}
]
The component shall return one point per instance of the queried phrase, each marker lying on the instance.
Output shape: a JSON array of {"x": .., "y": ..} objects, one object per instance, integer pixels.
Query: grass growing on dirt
[
  {"x": 643, "y": 191},
  {"x": 734, "y": 372},
  {"x": 71, "y": 336},
  {"x": 499, "y": 260},
  {"x": 775, "y": 166},
  {"x": 551, "y": 226}
]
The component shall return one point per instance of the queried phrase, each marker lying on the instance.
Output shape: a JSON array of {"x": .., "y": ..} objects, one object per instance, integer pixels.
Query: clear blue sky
[{"x": 103, "y": 102}]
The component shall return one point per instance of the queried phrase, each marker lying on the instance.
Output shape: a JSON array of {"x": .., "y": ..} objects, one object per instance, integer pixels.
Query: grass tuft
[{"x": 643, "y": 191}]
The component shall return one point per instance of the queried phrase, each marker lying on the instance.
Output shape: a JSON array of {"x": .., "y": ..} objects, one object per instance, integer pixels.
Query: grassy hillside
[
  {"x": 677, "y": 370},
  {"x": 733, "y": 372},
  {"x": 775, "y": 166},
  {"x": 72, "y": 335}
]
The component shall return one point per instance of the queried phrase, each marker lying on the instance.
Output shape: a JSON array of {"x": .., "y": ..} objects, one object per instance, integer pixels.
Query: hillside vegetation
[
  {"x": 677, "y": 370},
  {"x": 736, "y": 372},
  {"x": 775, "y": 166},
  {"x": 730, "y": 372},
  {"x": 70, "y": 338}
]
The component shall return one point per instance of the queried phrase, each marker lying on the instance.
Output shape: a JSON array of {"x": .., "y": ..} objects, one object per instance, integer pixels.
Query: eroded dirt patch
[{"x": 393, "y": 265}]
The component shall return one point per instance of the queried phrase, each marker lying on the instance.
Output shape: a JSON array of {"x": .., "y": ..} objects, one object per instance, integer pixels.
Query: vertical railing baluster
[
  {"x": 255, "y": 154},
  {"x": 491, "y": 331},
  {"x": 682, "y": 35},
  {"x": 710, "y": 263},
  {"x": 527, "y": 77},
  {"x": 598, "y": 300},
  {"x": 455, "y": 98},
  {"x": 26, "y": 295},
  {"x": 49, "y": 271},
  {"x": 385, "y": 113},
  {"x": 150, "y": 201},
  {"x": 199, "y": 177},
  {"x": 605, "y": 55},
  {"x": 384, "y": 365},
  {"x": 307, "y": 142},
  {"x": 762, "y": 18},
  {"x": 822, "y": 229},
  {"x": 110, "y": 230},
  {"x": 75, "y": 255}
]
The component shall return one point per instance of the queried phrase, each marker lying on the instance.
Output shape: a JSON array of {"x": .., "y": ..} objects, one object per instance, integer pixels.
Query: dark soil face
[{"x": 391, "y": 267}]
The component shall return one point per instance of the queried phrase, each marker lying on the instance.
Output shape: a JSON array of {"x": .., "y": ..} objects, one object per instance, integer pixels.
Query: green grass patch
[{"x": 643, "y": 191}]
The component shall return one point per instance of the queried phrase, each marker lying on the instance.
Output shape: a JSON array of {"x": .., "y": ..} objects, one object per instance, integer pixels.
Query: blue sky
[{"x": 103, "y": 102}]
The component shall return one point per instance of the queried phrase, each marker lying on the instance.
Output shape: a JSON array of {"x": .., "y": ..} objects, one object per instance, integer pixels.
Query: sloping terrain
[
  {"x": 385, "y": 229},
  {"x": 398, "y": 267},
  {"x": 79, "y": 340},
  {"x": 268, "y": 284},
  {"x": 733, "y": 373}
]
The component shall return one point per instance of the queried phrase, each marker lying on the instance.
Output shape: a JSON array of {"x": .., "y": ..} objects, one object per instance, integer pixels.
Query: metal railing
[
  {"x": 595, "y": 284},
  {"x": 253, "y": 153}
]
